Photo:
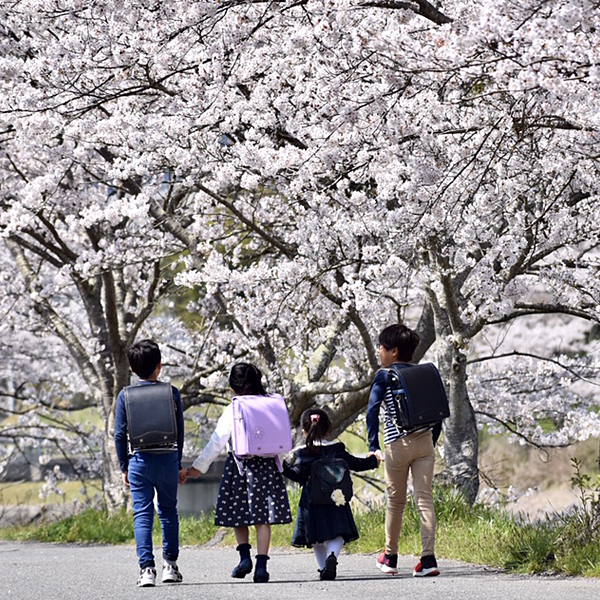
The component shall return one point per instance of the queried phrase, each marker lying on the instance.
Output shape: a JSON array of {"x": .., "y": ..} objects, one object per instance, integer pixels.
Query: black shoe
[
  {"x": 261, "y": 576},
  {"x": 260, "y": 572},
  {"x": 330, "y": 570},
  {"x": 241, "y": 570},
  {"x": 245, "y": 565}
]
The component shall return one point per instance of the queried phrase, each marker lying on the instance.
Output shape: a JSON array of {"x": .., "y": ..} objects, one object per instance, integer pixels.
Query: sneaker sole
[
  {"x": 386, "y": 570},
  {"x": 172, "y": 580},
  {"x": 431, "y": 572}
]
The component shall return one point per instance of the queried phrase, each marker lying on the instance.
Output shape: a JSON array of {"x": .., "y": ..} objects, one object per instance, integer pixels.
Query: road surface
[{"x": 33, "y": 571}]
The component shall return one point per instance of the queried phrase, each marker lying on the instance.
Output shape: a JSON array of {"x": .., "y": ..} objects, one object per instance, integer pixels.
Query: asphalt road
[{"x": 32, "y": 571}]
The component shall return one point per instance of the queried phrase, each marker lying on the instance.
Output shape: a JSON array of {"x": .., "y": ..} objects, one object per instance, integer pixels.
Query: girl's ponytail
[{"x": 317, "y": 425}]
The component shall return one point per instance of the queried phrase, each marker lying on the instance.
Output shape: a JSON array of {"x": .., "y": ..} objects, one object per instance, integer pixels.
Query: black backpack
[
  {"x": 418, "y": 395},
  {"x": 151, "y": 421},
  {"x": 329, "y": 481}
]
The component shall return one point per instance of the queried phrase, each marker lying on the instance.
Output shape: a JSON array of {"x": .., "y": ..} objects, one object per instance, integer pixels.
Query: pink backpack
[{"x": 261, "y": 426}]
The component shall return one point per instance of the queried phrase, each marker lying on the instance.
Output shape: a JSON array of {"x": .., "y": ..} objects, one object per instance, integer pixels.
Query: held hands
[
  {"x": 193, "y": 473},
  {"x": 379, "y": 455},
  {"x": 183, "y": 475}
]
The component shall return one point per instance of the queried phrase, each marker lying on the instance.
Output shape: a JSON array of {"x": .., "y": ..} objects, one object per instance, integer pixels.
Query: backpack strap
[
  {"x": 388, "y": 412},
  {"x": 394, "y": 419}
]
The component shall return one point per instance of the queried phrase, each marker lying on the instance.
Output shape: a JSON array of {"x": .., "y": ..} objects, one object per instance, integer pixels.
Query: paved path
[{"x": 32, "y": 571}]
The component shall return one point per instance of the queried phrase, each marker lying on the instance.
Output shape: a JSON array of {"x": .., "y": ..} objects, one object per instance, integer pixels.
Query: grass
[
  {"x": 98, "y": 527},
  {"x": 14, "y": 493},
  {"x": 90, "y": 525}
]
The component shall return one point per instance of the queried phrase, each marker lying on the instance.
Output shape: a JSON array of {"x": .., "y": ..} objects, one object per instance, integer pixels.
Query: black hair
[
  {"x": 317, "y": 425},
  {"x": 245, "y": 380},
  {"x": 144, "y": 356},
  {"x": 401, "y": 337}
]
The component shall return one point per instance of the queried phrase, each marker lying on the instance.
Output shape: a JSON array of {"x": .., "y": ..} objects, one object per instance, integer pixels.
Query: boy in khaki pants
[{"x": 404, "y": 451}]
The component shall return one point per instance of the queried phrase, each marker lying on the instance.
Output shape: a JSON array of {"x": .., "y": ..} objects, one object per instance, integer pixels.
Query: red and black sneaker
[
  {"x": 427, "y": 567},
  {"x": 388, "y": 563}
]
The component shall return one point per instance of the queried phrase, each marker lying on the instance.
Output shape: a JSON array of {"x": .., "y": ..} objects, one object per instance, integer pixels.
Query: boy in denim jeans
[{"x": 147, "y": 471}]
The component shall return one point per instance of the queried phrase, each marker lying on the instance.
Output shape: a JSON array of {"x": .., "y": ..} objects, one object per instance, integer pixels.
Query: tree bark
[
  {"x": 113, "y": 488},
  {"x": 461, "y": 444}
]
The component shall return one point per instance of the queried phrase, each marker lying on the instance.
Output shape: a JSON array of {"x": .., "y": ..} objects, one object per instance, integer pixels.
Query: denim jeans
[{"x": 149, "y": 472}]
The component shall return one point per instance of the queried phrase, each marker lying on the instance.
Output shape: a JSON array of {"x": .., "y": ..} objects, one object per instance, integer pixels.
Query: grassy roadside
[
  {"x": 477, "y": 534},
  {"x": 14, "y": 493}
]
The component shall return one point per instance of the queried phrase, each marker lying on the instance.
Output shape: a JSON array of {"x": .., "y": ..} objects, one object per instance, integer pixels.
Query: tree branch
[
  {"x": 420, "y": 7},
  {"x": 288, "y": 251},
  {"x": 541, "y": 309},
  {"x": 514, "y": 431},
  {"x": 537, "y": 357}
]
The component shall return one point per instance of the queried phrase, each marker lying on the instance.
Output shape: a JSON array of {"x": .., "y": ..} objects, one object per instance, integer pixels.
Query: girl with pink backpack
[{"x": 252, "y": 490}]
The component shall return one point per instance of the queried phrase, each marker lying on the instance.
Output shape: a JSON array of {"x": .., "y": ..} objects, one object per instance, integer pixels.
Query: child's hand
[
  {"x": 183, "y": 476},
  {"x": 377, "y": 455},
  {"x": 193, "y": 473}
]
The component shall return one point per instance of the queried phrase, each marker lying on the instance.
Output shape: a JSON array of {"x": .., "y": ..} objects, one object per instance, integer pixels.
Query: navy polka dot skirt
[{"x": 255, "y": 497}]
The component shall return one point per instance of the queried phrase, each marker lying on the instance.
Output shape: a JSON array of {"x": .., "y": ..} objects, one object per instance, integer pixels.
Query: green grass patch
[
  {"x": 483, "y": 535},
  {"x": 100, "y": 527},
  {"x": 90, "y": 525},
  {"x": 193, "y": 531},
  {"x": 28, "y": 492}
]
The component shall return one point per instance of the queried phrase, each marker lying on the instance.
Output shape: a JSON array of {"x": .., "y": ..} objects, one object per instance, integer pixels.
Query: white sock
[
  {"x": 335, "y": 545},
  {"x": 321, "y": 554}
]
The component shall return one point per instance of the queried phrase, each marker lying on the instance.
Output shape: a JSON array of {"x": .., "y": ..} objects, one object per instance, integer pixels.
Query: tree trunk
[
  {"x": 115, "y": 492},
  {"x": 460, "y": 429}
]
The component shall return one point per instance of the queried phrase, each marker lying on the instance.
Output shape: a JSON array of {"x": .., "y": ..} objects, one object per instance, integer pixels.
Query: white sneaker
[
  {"x": 171, "y": 573},
  {"x": 147, "y": 577}
]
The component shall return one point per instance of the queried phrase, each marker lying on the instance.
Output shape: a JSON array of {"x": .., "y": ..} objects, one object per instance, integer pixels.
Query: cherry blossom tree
[{"x": 313, "y": 170}]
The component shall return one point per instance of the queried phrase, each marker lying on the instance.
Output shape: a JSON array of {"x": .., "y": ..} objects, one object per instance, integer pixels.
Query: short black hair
[
  {"x": 401, "y": 337},
  {"x": 144, "y": 356},
  {"x": 245, "y": 379}
]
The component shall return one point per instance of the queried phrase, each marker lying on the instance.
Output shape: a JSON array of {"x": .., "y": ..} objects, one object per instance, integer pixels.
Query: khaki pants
[{"x": 413, "y": 452}]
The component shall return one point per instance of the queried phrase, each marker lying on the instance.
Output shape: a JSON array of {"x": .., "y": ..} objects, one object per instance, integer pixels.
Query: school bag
[
  {"x": 329, "y": 482},
  {"x": 418, "y": 395},
  {"x": 151, "y": 421},
  {"x": 261, "y": 426}
]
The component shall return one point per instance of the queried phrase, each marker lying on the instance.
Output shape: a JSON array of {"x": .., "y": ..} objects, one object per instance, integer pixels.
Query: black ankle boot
[
  {"x": 330, "y": 570},
  {"x": 260, "y": 572},
  {"x": 245, "y": 565}
]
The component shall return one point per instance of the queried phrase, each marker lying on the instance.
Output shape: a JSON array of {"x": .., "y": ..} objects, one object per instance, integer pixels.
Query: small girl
[
  {"x": 255, "y": 497},
  {"x": 324, "y": 527}
]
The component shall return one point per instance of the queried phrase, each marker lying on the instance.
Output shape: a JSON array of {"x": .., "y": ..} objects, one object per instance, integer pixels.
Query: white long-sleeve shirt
[{"x": 218, "y": 441}]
